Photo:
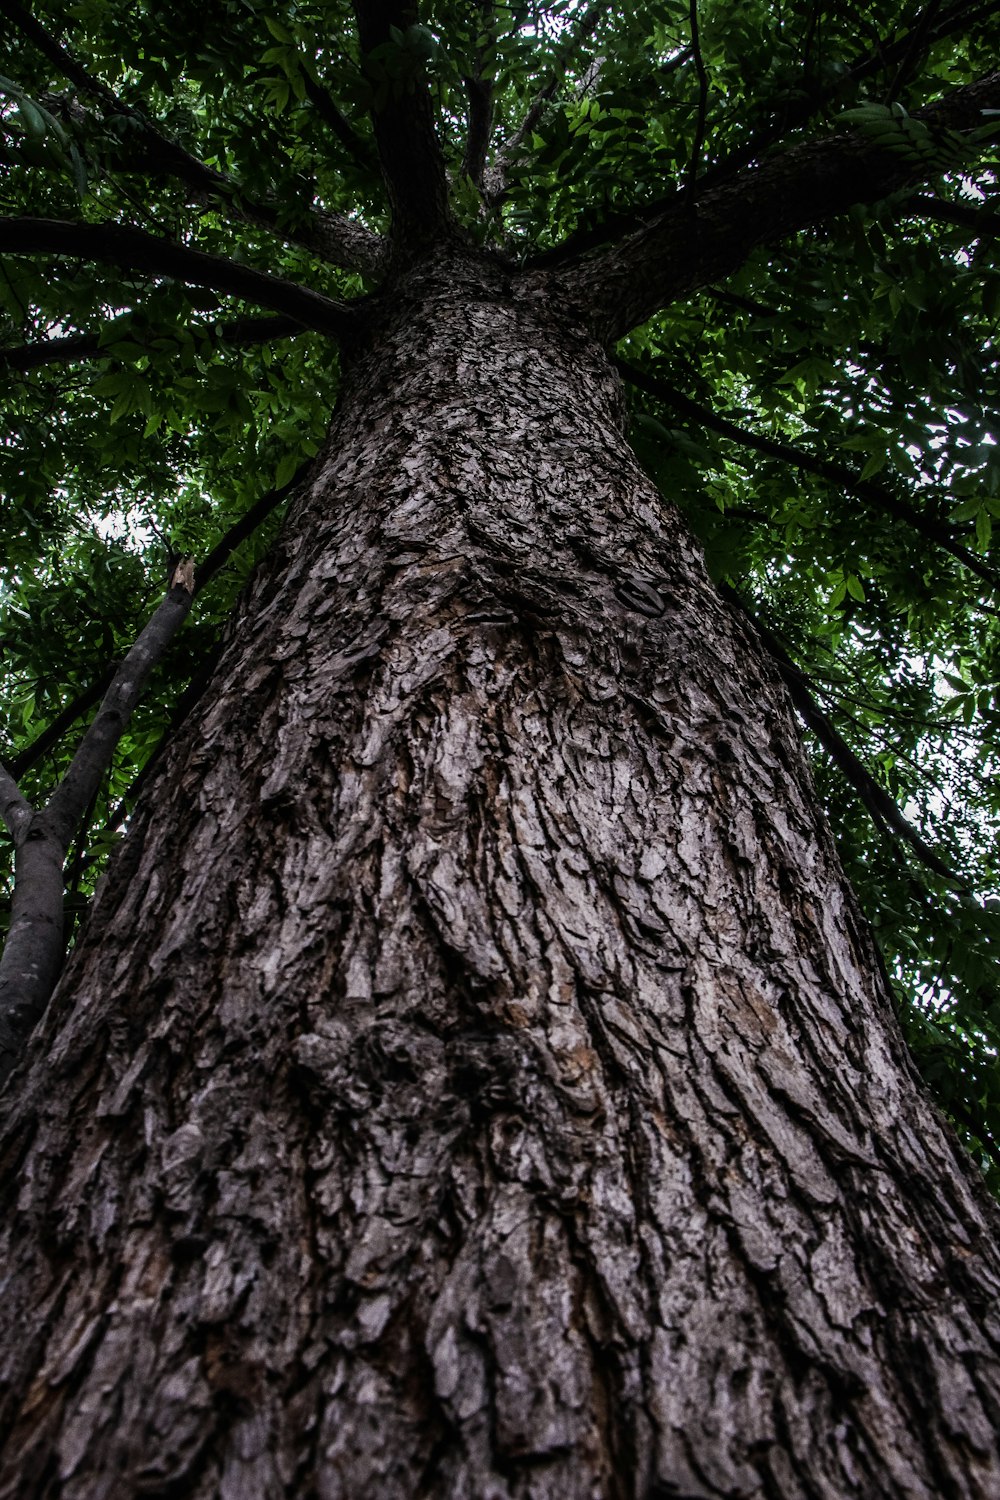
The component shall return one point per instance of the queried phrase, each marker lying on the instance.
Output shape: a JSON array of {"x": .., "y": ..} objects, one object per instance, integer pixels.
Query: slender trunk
[{"x": 475, "y": 1080}]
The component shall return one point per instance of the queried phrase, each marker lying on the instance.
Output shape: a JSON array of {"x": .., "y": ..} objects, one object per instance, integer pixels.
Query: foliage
[{"x": 862, "y": 352}]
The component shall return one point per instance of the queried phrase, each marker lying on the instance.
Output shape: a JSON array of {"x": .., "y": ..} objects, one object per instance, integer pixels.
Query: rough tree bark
[{"x": 475, "y": 1079}]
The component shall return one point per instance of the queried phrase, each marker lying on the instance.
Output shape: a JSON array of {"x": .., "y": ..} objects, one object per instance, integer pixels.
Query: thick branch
[
  {"x": 403, "y": 117},
  {"x": 135, "y": 250},
  {"x": 32, "y": 955},
  {"x": 695, "y": 244},
  {"x": 479, "y": 92},
  {"x": 814, "y": 101},
  {"x": 836, "y": 474},
  {"x": 33, "y": 952},
  {"x": 339, "y": 239}
]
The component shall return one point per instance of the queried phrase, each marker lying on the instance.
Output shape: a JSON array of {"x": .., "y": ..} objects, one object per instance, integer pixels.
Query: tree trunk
[{"x": 475, "y": 1079}]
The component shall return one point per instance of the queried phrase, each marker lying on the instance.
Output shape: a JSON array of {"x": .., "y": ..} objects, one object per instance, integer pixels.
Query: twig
[{"x": 699, "y": 132}]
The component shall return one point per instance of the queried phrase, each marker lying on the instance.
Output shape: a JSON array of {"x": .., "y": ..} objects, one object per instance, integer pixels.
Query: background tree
[{"x": 783, "y": 221}]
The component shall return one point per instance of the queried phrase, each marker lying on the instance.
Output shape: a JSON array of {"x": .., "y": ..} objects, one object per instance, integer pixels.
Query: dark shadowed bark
[{"x": 475, "y": 1080}]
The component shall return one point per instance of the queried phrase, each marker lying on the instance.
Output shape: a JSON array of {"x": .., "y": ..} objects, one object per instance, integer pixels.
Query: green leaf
[
  {"x": 279, "y": 31},
  {"x": 984, "y": 528},
  {"x": 287, "y": 466}
]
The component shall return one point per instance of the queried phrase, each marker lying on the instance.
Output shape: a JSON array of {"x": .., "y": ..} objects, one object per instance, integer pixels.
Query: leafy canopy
[{"x": 825, "y": 416}]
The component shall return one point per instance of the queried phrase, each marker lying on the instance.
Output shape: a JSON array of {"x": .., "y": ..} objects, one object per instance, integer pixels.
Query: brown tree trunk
[{"x": 475, "y": 1080}]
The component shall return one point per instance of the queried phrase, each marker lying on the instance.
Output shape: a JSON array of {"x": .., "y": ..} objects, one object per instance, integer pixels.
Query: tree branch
[
  {"x": 33, "y": 952},
  {"x": 80, "y": 346},
  {"x": 916, "y": 47},
  {"x": 135, "y": 250},
  {"x": 246, "y": 526},
  {"x": 982, "y": 223},
  {"x": 699, "y": 132},
  {"x": 356, "y": 146},
  {"x": 479, "y": 92},
  {"x": 339, "y": 239},
  {"x": 204, "y": 573},
  {"x": 15, "y": 809},
  {"x": 69, "y": 801},
  {"x": 495, "y": 176},
  {"x": 881, "y": 808},
  {"x": 793, "y": 117},
  {"x": 695, "y": 244},
  {"x": 403, "y": 116},
  {"x": 836, "y": 474},
  {"x": 32, "y": 955}
]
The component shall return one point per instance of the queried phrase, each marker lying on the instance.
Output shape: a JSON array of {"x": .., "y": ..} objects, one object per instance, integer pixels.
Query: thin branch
[
  {"x": 63, "y": 721},
  {"x": 699, "y": 132},
  {"x": 744, "y": 304},
  {"x": 236, "y": 333},
  {"x": 204, "y": 573},
  {"x": 982, "y": 223},
  {"x": 69, "y": 801},
  {"x": 33, "y": 953},
  {"x": 495, "y": 176},
  {"x": 696, "y": 245},
  {"x": 135, "y": 250},
  {"x": 882, "y": 809},
  {"x": 358, "y": 148},
  {"x": 335, "y": 236},
  {"x": 915, "y": 49},
  {"x": 246, "y": 526},
  {"x": 836, "y": 474}
]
